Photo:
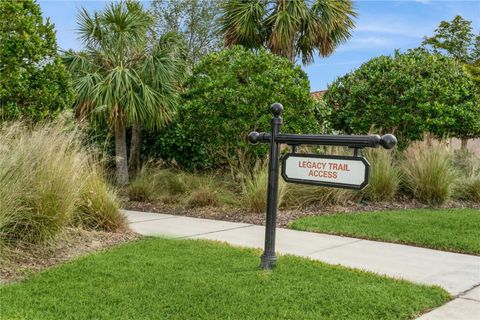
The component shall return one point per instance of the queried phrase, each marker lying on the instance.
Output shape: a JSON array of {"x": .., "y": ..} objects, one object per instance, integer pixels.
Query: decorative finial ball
[
  {"x": 388, "y": 141},
  {"x": 276, "y": 109},
  {"x": 253, "y": 137}
]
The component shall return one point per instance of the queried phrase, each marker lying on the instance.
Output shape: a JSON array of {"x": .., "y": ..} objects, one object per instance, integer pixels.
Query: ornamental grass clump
[
  {"x": 143, "y": 187},
  {"x": 468, "y": 187},
  {"x": 47, "y": 176},
  {"x": 254, "y": 188},
  {"x": 99, "y": 205},
  {"x": 304, "y": 196},
  {"x": 428, "y": 172},
  {"x": 384, "y": 177}
]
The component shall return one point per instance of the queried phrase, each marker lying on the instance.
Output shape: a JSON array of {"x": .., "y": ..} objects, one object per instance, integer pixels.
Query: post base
[{"x": 268, "y": 262}]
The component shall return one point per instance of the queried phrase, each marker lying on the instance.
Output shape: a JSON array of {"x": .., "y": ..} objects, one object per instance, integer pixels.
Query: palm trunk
[
  {"x": 464, "y": 144},
  {"x": 121, "y": 153},
  {"x": 134, "y": 162}
]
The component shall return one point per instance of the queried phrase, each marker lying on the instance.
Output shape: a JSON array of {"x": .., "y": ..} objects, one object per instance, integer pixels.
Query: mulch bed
[
  {"x": 285, "y": 216},
  {"x": 19, "y": 262}
]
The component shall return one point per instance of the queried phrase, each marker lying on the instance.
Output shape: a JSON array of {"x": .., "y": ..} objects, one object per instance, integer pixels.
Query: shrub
[
  {"x": 407, "y": 94},
  {"x": 228, "y": 95},
  {"x": 384, "y": 177},
  {"x": 46, "y": 176},
  {"x": 428, "y": 172},
  {"x": 34, "y": 82}
]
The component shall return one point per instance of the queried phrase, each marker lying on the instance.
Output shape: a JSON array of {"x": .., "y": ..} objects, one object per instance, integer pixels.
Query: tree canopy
[
  {"x": 288, "y": 28},
  {"x": 407, "y": 94},
  {"x": 33, "y": 82},
  {"x": 228, "y": 95},
  {"x": 455, "y": 39},
  {"x": 194, "y": 20}
]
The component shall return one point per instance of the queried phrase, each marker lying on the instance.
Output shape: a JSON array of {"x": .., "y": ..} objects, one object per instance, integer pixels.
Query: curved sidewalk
[{"x": 459, "y": 274}]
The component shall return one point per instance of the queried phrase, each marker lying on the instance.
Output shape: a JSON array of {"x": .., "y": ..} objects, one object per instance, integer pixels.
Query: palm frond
[
  {"x": 120, "y": 76},
  {"x": 242, "y": 22}
]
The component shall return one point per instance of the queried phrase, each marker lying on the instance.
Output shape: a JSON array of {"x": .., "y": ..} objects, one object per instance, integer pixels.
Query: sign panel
[{"x": 330, "y": 171}]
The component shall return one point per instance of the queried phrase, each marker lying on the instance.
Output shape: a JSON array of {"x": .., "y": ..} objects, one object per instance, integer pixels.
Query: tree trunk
[
  {"x": 121, "y": 153},
  {"x": 464, "y": 144},
  {"x": 134, "y": 162}
]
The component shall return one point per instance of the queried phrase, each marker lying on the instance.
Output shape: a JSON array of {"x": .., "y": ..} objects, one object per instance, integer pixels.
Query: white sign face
[{"x": 325, "y": 170}]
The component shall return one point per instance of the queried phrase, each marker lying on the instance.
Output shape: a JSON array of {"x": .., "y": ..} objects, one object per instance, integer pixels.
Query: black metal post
[{"x": 269, "y": 259}]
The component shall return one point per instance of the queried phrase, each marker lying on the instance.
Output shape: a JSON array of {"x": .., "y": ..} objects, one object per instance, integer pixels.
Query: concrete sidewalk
[{"x": 456, "y": 273}]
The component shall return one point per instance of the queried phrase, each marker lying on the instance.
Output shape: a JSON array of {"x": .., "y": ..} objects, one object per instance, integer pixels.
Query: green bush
[
  {"x": 48, "y": 180},
  {"x": 384, "y": 176},
  {"x": 428, "y": 172},
  {"x": 407, "y": 94},
  {"x": 228, "y": 95},
  {"x": 34, "y": 82}
]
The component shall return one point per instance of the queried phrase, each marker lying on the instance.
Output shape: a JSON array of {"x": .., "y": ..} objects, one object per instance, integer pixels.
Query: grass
[
  {"x": 156, "y": 183},
  {"x": 468, "y": 186},
  {"x": 429, "y": 172},
  {"x": 451, "y": 230},
  {"x": 385, "y": 176},
  {"x": 255, "y": 186},
  {"x": 50, "y": 179},
  {"x": 171, "y": 279}
]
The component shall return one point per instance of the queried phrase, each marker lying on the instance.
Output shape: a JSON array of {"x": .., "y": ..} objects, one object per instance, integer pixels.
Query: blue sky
[{"x": 382, "y": 27}]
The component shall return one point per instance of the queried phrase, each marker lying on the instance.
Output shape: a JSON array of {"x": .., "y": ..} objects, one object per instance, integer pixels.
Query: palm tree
[
  {"x": 288, "y": 28},
  {"x": 121, "y": 77}
]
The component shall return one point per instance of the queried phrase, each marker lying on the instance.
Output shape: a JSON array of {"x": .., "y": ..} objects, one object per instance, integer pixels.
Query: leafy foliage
[
  {"x": 194, "y": 20},
  {"x": 33, "y": 82},
  {"x": 455, "y": 39},
  {"x": 407, "y": 94},
  {"x": 229, "y": 95},
  {"x": 288, "y": 28}
]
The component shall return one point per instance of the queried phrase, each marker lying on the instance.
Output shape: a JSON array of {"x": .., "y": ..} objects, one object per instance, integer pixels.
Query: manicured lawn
[
  {"x": 452, "y": 230},
  {"x": 168, "y": 279}
]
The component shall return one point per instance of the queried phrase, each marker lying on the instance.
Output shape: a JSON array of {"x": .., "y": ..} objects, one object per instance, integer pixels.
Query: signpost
[
  {"x": 327, "y": 171},
  {"x": 350, "y": 172}
]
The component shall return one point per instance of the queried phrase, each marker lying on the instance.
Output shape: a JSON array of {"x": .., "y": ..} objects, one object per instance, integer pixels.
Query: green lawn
[
  {"x": 168, "y": 279},
  {"x": 452, "y": 230}
]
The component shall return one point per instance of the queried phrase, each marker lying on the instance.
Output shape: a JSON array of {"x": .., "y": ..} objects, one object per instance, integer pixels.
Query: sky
[{"x": 382, "y": 26}]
